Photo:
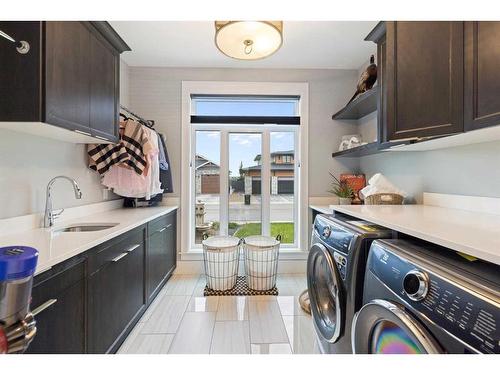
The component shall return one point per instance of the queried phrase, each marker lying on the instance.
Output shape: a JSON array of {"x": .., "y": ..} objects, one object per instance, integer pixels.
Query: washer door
[
  {"x": 325, "y": 293},
  {"x": 383, "y": 327}
]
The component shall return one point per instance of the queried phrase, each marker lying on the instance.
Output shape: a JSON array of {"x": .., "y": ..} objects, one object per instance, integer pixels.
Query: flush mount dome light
[{"x": 248, "y": 40}]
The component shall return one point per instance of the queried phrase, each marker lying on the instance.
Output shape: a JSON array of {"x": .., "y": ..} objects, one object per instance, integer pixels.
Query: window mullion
[
  {"x": 224, "y": 183},
  {"x": 266, "y": 183}
]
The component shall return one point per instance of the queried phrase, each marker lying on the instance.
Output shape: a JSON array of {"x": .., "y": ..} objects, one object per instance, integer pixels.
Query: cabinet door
[
  {"x": 67, "y": 79},
  {"x": 157, "y": 260},
  {"x": 482, "y": 80},
  {"x": 20, "y": 76},
  {"x": 161, "y": 255},
  {"x": 172, "y": 244},
  {"x": 61, "y": 324},
  {"x": 116, "y": 295},
  {"x": 424, "y": 75},
  {"x": 103, "y": 89}
]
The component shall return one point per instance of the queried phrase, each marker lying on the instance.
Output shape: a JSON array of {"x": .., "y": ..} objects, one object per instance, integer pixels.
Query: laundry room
[{"x": 249, "y": 183}]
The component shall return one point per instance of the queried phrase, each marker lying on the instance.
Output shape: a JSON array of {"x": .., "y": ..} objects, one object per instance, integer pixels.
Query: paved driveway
[{"x": 281, "y": 208}]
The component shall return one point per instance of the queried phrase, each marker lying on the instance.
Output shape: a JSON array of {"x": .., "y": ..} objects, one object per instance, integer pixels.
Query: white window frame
[{"x": 194, "y": 88}]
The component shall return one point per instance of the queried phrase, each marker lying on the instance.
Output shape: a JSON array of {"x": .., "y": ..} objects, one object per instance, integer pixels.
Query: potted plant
[{"x": 342, "y": 190}]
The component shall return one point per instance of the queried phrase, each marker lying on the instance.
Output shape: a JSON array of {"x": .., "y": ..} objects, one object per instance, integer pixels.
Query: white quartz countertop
[
  {"x": 473, "y": 233},
  {"x": 55, "y": 247}
]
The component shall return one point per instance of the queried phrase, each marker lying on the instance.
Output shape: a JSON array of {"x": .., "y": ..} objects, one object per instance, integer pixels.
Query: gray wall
[
  {"x": 155, "y": 93},
  {"x": 27, "y": 165},
  {"x": 124, "y": 84},
  {"x": 466, "y": 170}
]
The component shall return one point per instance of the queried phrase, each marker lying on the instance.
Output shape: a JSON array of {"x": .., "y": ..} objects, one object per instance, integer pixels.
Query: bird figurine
[{"x": 367, "y": 79}]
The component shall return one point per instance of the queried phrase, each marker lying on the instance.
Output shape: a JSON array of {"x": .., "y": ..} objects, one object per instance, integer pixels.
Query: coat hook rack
[{"x": 22, "y": 46}]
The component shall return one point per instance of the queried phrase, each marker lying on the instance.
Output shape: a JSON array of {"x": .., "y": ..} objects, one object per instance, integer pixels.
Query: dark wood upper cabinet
[
  {"x": 423, "y": 74},
  {"x": 104, "y": 88},
  {"x": 67, "y": 75},
  {"x": 69, "y": 78},
  {"x": 482, "y": 80}
]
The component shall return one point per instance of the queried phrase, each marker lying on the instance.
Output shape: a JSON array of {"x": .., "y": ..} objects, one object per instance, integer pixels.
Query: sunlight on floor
[{"x": 182, "y": 321}]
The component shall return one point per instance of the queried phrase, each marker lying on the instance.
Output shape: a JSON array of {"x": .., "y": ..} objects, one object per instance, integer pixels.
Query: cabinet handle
[
  {"x": 123, "y": 255},
  {"x": 104, "y": 139},
  {"x": 162, "y": 229},
  {"x": 82, "y": 132},
  {"x": 132, "y": 248},
  {"x": 44, "y": 306}
]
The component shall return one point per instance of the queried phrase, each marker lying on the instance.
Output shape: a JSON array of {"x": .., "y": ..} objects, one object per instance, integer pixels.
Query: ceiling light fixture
[{"x": 248, "y": 40}]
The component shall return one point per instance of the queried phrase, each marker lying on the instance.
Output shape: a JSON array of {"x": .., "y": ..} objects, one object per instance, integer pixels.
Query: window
[
  {"x": 244, "y": 179},
  {"x": 244, "y": 106}
]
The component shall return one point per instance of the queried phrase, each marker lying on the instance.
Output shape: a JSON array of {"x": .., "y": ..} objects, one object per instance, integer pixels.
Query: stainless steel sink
[{"x": 86, "y": 227}]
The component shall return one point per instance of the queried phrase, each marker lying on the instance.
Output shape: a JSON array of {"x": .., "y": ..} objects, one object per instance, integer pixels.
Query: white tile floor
[{"x": 182, "y": 321}]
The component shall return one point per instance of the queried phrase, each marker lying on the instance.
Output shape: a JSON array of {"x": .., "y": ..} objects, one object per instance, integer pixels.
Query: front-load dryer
[
  {"x": 420, "y": 298},
  {"x": 335, "y": 271}
]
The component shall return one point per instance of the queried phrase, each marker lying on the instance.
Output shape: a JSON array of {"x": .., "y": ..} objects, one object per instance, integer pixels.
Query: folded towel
[{"x": 379, "y": 184}]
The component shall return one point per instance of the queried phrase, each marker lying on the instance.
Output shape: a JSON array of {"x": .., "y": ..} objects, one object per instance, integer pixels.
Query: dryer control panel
[
  {"x": 463, "y": 311},
  {"x": 333, "y": 235}
]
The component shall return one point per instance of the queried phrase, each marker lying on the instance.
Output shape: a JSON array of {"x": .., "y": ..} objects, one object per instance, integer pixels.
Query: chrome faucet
[{"x": 50, "y": 216}]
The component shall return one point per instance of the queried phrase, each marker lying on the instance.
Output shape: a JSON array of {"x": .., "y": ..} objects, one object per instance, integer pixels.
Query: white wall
[
  {"x": 124, "y": 83},
  {"x": 466, "y": 170},
  {"x": 28, "y": 163},
  {"x": 155, "y": 93}
]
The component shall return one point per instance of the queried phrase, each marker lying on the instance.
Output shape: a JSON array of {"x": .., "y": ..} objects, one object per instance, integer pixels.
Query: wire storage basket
[
  {"x": 221, "y": 258},
  {"x": 261, "y": 261}
]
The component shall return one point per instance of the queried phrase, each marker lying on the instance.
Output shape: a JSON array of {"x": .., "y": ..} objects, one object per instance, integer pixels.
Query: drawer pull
[
  {"x": 132, "y": 248},
  {"x": 162, "y": 229},
  {"x": 123, "y": 255},
  {"x": 104, "y": 139},
  {"x": 44, "y": 306}
]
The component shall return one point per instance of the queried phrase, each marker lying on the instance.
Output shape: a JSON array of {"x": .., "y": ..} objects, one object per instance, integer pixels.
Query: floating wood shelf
[
  {"x": 363, "y": 105},
  {"x": 367, "y": 149}
]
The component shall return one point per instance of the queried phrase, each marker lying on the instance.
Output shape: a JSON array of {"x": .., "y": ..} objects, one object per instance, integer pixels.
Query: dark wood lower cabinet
[
  {"x": 116, "y": 292},
  {"x": 92, "y": 301},
  {"x": 161, "y": 253},
  {"x": 61, "y": 325}
]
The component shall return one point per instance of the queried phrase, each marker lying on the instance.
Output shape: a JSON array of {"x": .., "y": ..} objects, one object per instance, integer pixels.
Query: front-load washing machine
[
  {"x": 335, "y": 271},
  {"x": 420, "y": 298}
]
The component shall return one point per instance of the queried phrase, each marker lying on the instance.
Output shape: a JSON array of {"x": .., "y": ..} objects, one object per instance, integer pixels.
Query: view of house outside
[{"x": 245, "y": 210}]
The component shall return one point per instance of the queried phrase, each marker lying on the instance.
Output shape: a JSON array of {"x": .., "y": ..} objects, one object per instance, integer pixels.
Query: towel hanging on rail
[{"x": 166, "y": 175}]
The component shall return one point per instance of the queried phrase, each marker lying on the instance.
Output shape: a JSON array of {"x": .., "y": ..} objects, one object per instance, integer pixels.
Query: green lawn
[{"x": 285, "y": 229}]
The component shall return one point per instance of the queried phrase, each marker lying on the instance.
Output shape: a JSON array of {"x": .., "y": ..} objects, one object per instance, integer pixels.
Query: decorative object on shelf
[
  {"x": 367, "y": 79},
  {"x": 381, "y": 191},
  {"x": 364, "y": 104},
  {"x": 350, "y": 141},
  {"x": 356, "y": 182},
  {"x": 22, "y": 46},
  {"x": 342, "y": 190},
  {"x": 248, "y": 40},
  {"x": 384, "y": 199}
]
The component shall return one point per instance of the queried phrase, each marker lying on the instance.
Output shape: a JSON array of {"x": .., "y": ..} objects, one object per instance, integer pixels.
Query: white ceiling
[{"x": 307, "y": 45}]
